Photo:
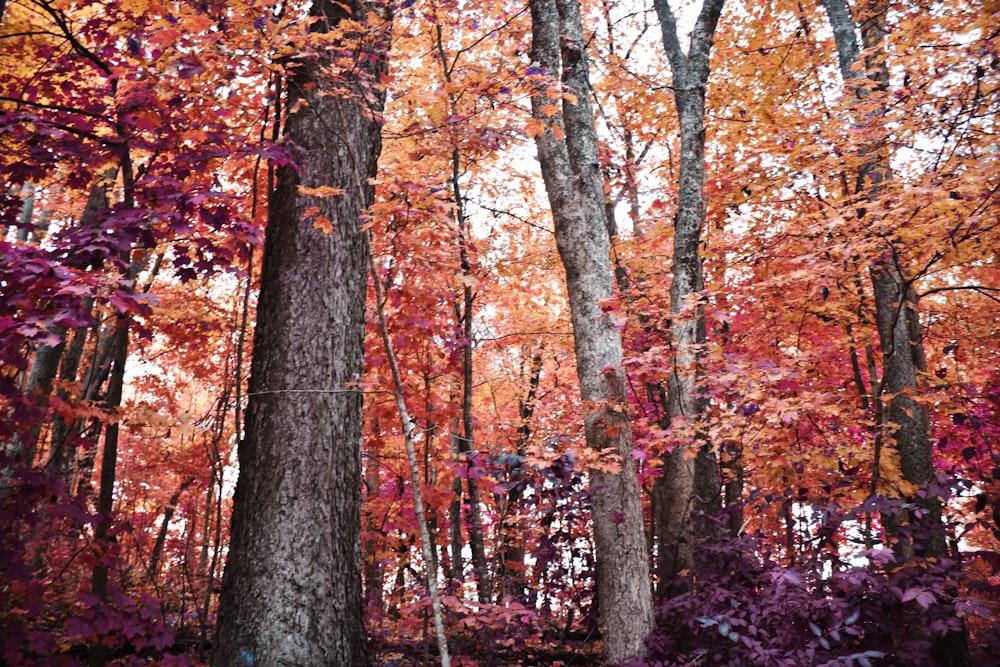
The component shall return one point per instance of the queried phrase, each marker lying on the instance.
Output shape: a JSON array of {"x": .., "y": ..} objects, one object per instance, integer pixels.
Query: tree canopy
[{"x": 808, "y": 327}]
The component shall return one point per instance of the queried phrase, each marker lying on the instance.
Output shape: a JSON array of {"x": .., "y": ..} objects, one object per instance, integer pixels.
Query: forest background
[{"x": 141, "y": 140}]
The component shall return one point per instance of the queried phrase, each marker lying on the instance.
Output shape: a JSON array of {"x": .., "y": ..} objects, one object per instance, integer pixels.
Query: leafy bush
[
  {"x": 47, "y": 555},
  {"x": 743, "y": 607}
]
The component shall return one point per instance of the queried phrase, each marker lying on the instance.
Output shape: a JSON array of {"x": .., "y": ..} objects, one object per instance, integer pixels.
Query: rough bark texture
[
  {"x": 896, "y": 313},
  {"x": 291, "y": 592},
  {"x": 567, "y": 150},
  {"x": 690, "y": 478}
]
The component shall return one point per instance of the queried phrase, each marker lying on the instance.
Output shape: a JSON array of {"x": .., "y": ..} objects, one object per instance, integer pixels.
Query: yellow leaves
[
  {"x": 299, "y": 104},
  {"x": 892, "y": 473},
  {"x": 550, "y": 110},
  {"x": 607, "y": 460},
  {"x": 323, "y": 224},
  {"x": 534, "y": 127}
]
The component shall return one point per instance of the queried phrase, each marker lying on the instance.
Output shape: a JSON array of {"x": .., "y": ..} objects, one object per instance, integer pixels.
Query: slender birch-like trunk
[
  {"x": 567, "y": 151},
  {"x": 903, "y": 419},
  {"x": 690, "y": 480}
]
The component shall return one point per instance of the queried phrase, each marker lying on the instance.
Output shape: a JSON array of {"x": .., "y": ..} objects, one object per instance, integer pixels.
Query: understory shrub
[{"x": 744, "y": 605}]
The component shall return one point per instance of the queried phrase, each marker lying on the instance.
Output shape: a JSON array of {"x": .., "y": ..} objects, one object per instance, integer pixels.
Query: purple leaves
[
  {"x": 923, "y": 596},
  {"x": 744, "y": 606}
]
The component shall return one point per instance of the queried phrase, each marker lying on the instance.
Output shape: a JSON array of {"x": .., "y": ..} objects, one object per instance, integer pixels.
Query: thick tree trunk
[
  {"x": 689, "y": 482},
  {"x": 896, "y": 312},
  {"x": 292, "y": 584},
  {"x": 567, "y": 150}
]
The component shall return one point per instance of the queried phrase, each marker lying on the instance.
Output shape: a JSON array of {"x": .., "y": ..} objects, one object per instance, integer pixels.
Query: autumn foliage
[{"x": 140, "y": 140}]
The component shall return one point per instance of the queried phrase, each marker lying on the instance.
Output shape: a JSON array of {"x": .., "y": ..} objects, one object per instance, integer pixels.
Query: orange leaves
[
  {"x": 788, "y": 240},
  {"x": 320, "y": 221},
  {"x": 314, "y": 213},
  {"x": 534, "y": 127},
  {"x": 322, "y": 191}
]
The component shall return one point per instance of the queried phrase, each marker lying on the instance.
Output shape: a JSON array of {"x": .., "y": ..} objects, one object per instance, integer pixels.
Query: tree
[
  {"x": 793, "y": 372},
  {"x": 690, "y": 480},
  {"x": 896, "y": 309},
  {"x": 292, "y": 584},
  {"x": 567, "y": 151}
]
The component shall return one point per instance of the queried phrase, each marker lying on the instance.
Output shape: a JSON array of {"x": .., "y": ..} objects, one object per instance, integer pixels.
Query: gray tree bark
[
  {"x": 291, "y": 591},
  {"x": 690, "y": 481},
  {"x": 567, "y": 151},
  {"x": 896, "y": 313},
  {"x": 896, "y": 308}
]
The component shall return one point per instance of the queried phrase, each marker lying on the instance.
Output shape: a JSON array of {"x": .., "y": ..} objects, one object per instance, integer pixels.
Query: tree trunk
[
  {"x": 513, "y": 580},
  {"x": 47, "y": 357},
  {"x": 427, "y": 547},
  {"x": 455, "y": 514},
  {"x": 567, "y": 150},
  {"x": 688, "y": 482},
  {"x": 84, "y": 439},
  {"x": 896, "y": 312},
  {"x": 374, "y": 567},
  {"x": 292, "y": 584},
  {"x": 109, "y": 460},
  {"x": 733, "y": 487},
  {"x": 27, "y": 212},
  {"x": 63, "y": 440},
  {"x": 161, "y": 535},
  {"x": 466, "y": 444}
]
